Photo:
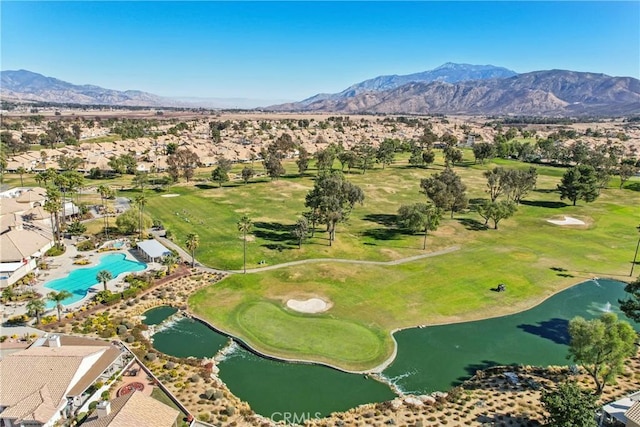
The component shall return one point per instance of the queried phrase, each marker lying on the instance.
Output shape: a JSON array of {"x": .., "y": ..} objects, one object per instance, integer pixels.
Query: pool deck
[{"x": 62, "y": 265}]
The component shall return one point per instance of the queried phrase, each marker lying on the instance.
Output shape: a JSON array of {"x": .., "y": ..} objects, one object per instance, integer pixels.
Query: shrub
[
  {"x": 56, "y": 250},
  {"x": 151, "y": 357},
  {"x": 3, "y": 338},
  {"x": 230, "y": 410},
  {"x": 209, "y": 393},
  {"x": 204, "y": 416},
  {"x": 86, "y": 245},
  {"x": 18, "y": 320},
  {"x": 81, "y": 417},
  {"x": 105, "y": 395},
  {"x": 122, "y": 330},
  {"x": 169, "y": 365},
  {"x": 129, "y": 339},
  {"x": 92, "y": 405},
  {"x": 194, "y": 378}
]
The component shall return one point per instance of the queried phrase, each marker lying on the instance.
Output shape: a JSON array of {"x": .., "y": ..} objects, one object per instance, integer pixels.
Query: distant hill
[
  {"x": 23, "y": 85},
  {"x": 449, "y": 72},
  {"x": 554, "y": 92}
]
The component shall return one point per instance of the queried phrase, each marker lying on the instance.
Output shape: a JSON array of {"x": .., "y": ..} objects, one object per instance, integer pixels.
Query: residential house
[
  {"x": 133, "y": 410},
  {"x": 50, "y": 380}
]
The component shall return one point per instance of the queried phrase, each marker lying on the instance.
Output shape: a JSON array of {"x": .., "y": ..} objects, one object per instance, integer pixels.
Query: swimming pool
[{"x": 81, "y": 279}]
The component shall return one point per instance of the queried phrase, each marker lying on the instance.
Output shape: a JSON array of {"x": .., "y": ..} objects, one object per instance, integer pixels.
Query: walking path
[{"x": 185, "y": 255}]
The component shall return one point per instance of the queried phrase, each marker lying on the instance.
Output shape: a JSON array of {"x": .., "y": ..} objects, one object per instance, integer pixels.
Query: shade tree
[
  {"x": 568, "y": 405},
  {"x": 579, "y": 183},
  {"x": 301, "y": 230},
  {"x": 483, "y": 151},
  {"x": 446, "y": 191},
  {"x": 496, "y": 211},
  {"x": 420, "y": 217},
  {"x": 182, "y": 163},
  {"x": 247, "y": 173},
  {"x": 601, "y": 346},
  {"x": 332, "y": 199}
]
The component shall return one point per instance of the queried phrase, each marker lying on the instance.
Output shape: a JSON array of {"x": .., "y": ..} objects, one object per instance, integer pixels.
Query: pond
[
  {"x": 428, "y": 359},
  {"x": 156, "y": 315},
  {"x": 438, "y": 357}
]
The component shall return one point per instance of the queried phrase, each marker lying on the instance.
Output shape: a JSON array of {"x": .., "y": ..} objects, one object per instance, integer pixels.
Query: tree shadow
[
  {"x": 545, "y": 190},
  {"x": 556, "y": 330},
  {"x": 506, "y": 419},
  {"x": 473, "y": 369},
  {"x": 206, "y": 186},
  {"x": 475, "y": 201},
  {"x": 382, "y": 233},
  {"x": 387, "y": 220},
  {"x": 543, "y": 204},
  {"x": 274, "y": 232},
  {"x": 634, "y": 186},
  {"x": 473, "y": 224}
]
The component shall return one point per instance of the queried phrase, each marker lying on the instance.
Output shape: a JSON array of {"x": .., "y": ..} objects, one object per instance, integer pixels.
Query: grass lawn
[
  {"x": 533, "y": 257},
  {"x": 288, "y": 332}
]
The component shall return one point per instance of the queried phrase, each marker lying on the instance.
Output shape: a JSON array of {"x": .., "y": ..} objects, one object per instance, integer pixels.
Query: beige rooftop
[
  {"x": 135, "y": 410},
  {"x": 36, "y": 381}
]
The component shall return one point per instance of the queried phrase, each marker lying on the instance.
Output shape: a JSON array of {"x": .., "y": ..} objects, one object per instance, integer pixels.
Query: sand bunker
[
  {"x": 312, "y": 305},
  {"x": 170, "y": 195},
  {"x": 566, "y": 221}
]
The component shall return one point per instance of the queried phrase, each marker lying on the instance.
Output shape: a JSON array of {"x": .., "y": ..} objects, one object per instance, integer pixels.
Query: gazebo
[{"x": 152, "y": 250}]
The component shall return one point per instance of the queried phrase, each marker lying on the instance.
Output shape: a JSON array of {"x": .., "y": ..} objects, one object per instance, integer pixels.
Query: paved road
[{"x": 186, "y": 256}]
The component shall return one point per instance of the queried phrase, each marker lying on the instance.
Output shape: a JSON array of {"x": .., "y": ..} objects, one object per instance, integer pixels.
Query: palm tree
[
  {"x": 21, "y": 171},
  {"x": 8, "y": 294},
  {"x": 170, "y": 260},
  {"x": 633, "y": 264},
  {"x": 103, "y": 277},
  {"x": 36, "y": 307},
  {"x": 58, "y": 297},
  {"x": 192, "y": 243},
  {"x": 140, "y": 201},
  {"x": 53, "y": 204},
  {"x": 244, "y": 225},
  {"x": 105, "y": 193}
]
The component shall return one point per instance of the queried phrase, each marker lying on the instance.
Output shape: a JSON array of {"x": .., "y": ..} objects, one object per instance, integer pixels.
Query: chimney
[
  {"x": 103, "y": 409},
  {"x": 53, "y": 341}
]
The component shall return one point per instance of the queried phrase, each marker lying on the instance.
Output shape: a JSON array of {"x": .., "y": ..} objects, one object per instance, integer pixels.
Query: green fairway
[
  {"x": 319, "y": 337},
  {"x": 533, "y": 257}
]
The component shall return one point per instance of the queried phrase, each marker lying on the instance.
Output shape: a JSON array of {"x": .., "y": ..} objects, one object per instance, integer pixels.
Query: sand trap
[
  {"x": 566, "y": 221},
  {"x": 312, "y": 305},
  {"x": 170, "y": 195}
]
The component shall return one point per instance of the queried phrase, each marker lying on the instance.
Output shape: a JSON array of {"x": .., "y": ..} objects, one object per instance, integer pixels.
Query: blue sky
[{"x": 292, "y": 50}]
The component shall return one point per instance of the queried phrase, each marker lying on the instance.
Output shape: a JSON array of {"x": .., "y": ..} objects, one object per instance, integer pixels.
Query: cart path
[{"x": 186, "y": 256}]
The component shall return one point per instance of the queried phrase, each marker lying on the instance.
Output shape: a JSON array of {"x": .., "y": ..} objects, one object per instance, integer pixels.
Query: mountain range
[
  {"x": 482, "y": 90},
  {"x": 449, "y": 72},
  {"x": 23, "y": 85},
  {"x": 448, "y": 89}
]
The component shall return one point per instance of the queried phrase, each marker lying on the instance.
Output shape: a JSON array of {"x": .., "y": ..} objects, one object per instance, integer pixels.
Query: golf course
[{"x": 531, "y": 256}]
